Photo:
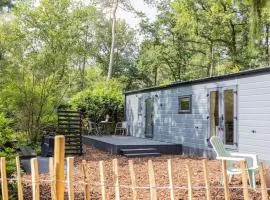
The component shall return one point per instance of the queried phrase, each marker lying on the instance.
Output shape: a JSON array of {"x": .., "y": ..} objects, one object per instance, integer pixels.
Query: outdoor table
[{"x": 105, "y": 127}]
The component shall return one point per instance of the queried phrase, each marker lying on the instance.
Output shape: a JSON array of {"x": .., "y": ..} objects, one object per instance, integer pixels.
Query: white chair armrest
[
  {"x": 253, "y": 156},
  {"x": 243, "y": 154},
  {"x": 230, "y": 158}
]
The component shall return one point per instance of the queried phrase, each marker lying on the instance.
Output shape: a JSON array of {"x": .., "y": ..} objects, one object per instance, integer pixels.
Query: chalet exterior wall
[
  {"x": 192, "y": 130},
  {"x": 254, "y": 115}
]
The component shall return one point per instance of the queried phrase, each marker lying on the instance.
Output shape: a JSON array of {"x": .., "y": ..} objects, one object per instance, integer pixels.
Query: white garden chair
[
  {"x": 232, "y": 157},
  {"x": 121, "y": 127}
]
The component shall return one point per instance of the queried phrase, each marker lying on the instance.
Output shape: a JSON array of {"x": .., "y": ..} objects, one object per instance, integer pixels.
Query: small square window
[{"x": 185, "y": 104}]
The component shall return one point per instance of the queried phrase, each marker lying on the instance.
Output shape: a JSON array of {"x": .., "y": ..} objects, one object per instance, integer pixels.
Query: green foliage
[
  {"x": 104, "y": 98},
  {"x": 6, "y": 4},
  {"x": 258, "y": 9},
  {"x": 125, "y": 48},
  {"x": 39, "y": 56},
  {"x": 197, "y": 38},
  {"x": 46, "y": 51},
  {"x": 56, "y": 52},
  {"x": 7, "y": 148}
]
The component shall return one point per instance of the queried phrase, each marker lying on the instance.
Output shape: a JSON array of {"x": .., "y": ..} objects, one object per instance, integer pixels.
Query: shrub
[
  {"x": 105, "y": 98},
  {"x": 7, "y": 148}
]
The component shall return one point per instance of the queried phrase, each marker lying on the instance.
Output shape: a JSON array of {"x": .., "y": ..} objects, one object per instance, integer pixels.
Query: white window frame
[
  {"x": 189, "y": 111},
  {"x": 221, "y": 107}
]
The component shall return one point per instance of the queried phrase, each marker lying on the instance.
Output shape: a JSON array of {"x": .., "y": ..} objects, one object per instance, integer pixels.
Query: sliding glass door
[
  {"x": 223, "y": 115},
  {"x": 228, "y": 116}
]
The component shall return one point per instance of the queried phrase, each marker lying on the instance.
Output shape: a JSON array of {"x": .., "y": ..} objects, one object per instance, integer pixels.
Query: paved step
[
  {"x": 131, "y": 155},
  {"x": 139, "y": 150}
]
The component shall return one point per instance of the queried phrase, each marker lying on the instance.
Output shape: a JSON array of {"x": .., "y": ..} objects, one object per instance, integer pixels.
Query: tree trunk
[
  {"x": 110, "y": 69},
  {"x": 156, "y": 74},
  {"x": 212, "y": 66},
  {"x": 82, "y": 69},
  {"x": 233, "y": 44}
]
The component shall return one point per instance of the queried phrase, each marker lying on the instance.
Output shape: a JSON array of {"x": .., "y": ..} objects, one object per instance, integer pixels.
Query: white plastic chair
[
  {"x": 122, "y": 127},
  {"x": 232, "y": 157}
]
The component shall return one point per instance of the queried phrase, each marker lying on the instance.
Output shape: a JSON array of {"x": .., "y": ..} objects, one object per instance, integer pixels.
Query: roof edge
[{"x": 202, "y": 80}]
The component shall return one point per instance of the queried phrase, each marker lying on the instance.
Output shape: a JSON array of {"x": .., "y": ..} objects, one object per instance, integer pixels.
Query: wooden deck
[{"x": 114, "y": 144}]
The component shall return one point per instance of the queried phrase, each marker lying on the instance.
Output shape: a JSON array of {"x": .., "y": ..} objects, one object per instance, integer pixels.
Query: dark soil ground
[{"x": 92, "y": 156}]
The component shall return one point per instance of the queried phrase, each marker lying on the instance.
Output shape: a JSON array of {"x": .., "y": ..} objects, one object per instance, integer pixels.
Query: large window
[{"x": 185, "y": 104}]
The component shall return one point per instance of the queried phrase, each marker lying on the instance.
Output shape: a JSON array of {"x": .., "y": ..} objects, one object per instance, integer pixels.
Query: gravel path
[{"x": 92, "y": 156}]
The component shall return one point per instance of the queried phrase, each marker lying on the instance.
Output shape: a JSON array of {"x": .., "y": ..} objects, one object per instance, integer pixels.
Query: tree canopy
[{"x": 56, "y": 53}]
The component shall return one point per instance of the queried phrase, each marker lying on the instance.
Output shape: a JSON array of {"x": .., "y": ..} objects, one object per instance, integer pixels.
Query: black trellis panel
[{"x": 70, "y": 125}]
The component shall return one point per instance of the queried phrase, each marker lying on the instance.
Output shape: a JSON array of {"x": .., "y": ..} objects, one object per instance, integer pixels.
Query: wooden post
[
  {"x": 263, "y": 183},
  {"x": 70, "y": 177},
  {"x": 52, "y": 177},
  {"x": 225, "y": 180},
  {"x": 4, "y": 179},
  {"x": 86, "y": 181},
  {"x": 206, "y": 178},
  {"x": 59, "y": 162},
  {"x": 152, "y": 182},
  {"x": 19, "y": 179},
  {"x": 102, "y": 180},
  {"x": 116, "y": 179},
  {"x": 35, "y": 179},
  {"x": 170, "y": 178},
  {"x": 133, "y": 179},
  {"x": 244, "y": 179},
  {"x": 190, "y": 193}
]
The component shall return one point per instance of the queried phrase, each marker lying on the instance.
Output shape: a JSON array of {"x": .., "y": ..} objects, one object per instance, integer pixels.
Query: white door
[{"x": 223, "y": 115}]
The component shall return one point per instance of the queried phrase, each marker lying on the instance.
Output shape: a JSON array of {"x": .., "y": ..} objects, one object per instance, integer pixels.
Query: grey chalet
[{"x": 234, "y": 106}]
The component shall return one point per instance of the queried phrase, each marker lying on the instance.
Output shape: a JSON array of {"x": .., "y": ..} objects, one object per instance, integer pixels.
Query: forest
[{"x": 76, "y": 54}]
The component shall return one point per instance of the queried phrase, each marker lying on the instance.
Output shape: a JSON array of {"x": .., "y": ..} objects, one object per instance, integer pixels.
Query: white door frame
[
  {"x": 221, "y": 113},
  {"x": 235, "y": 114}
]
